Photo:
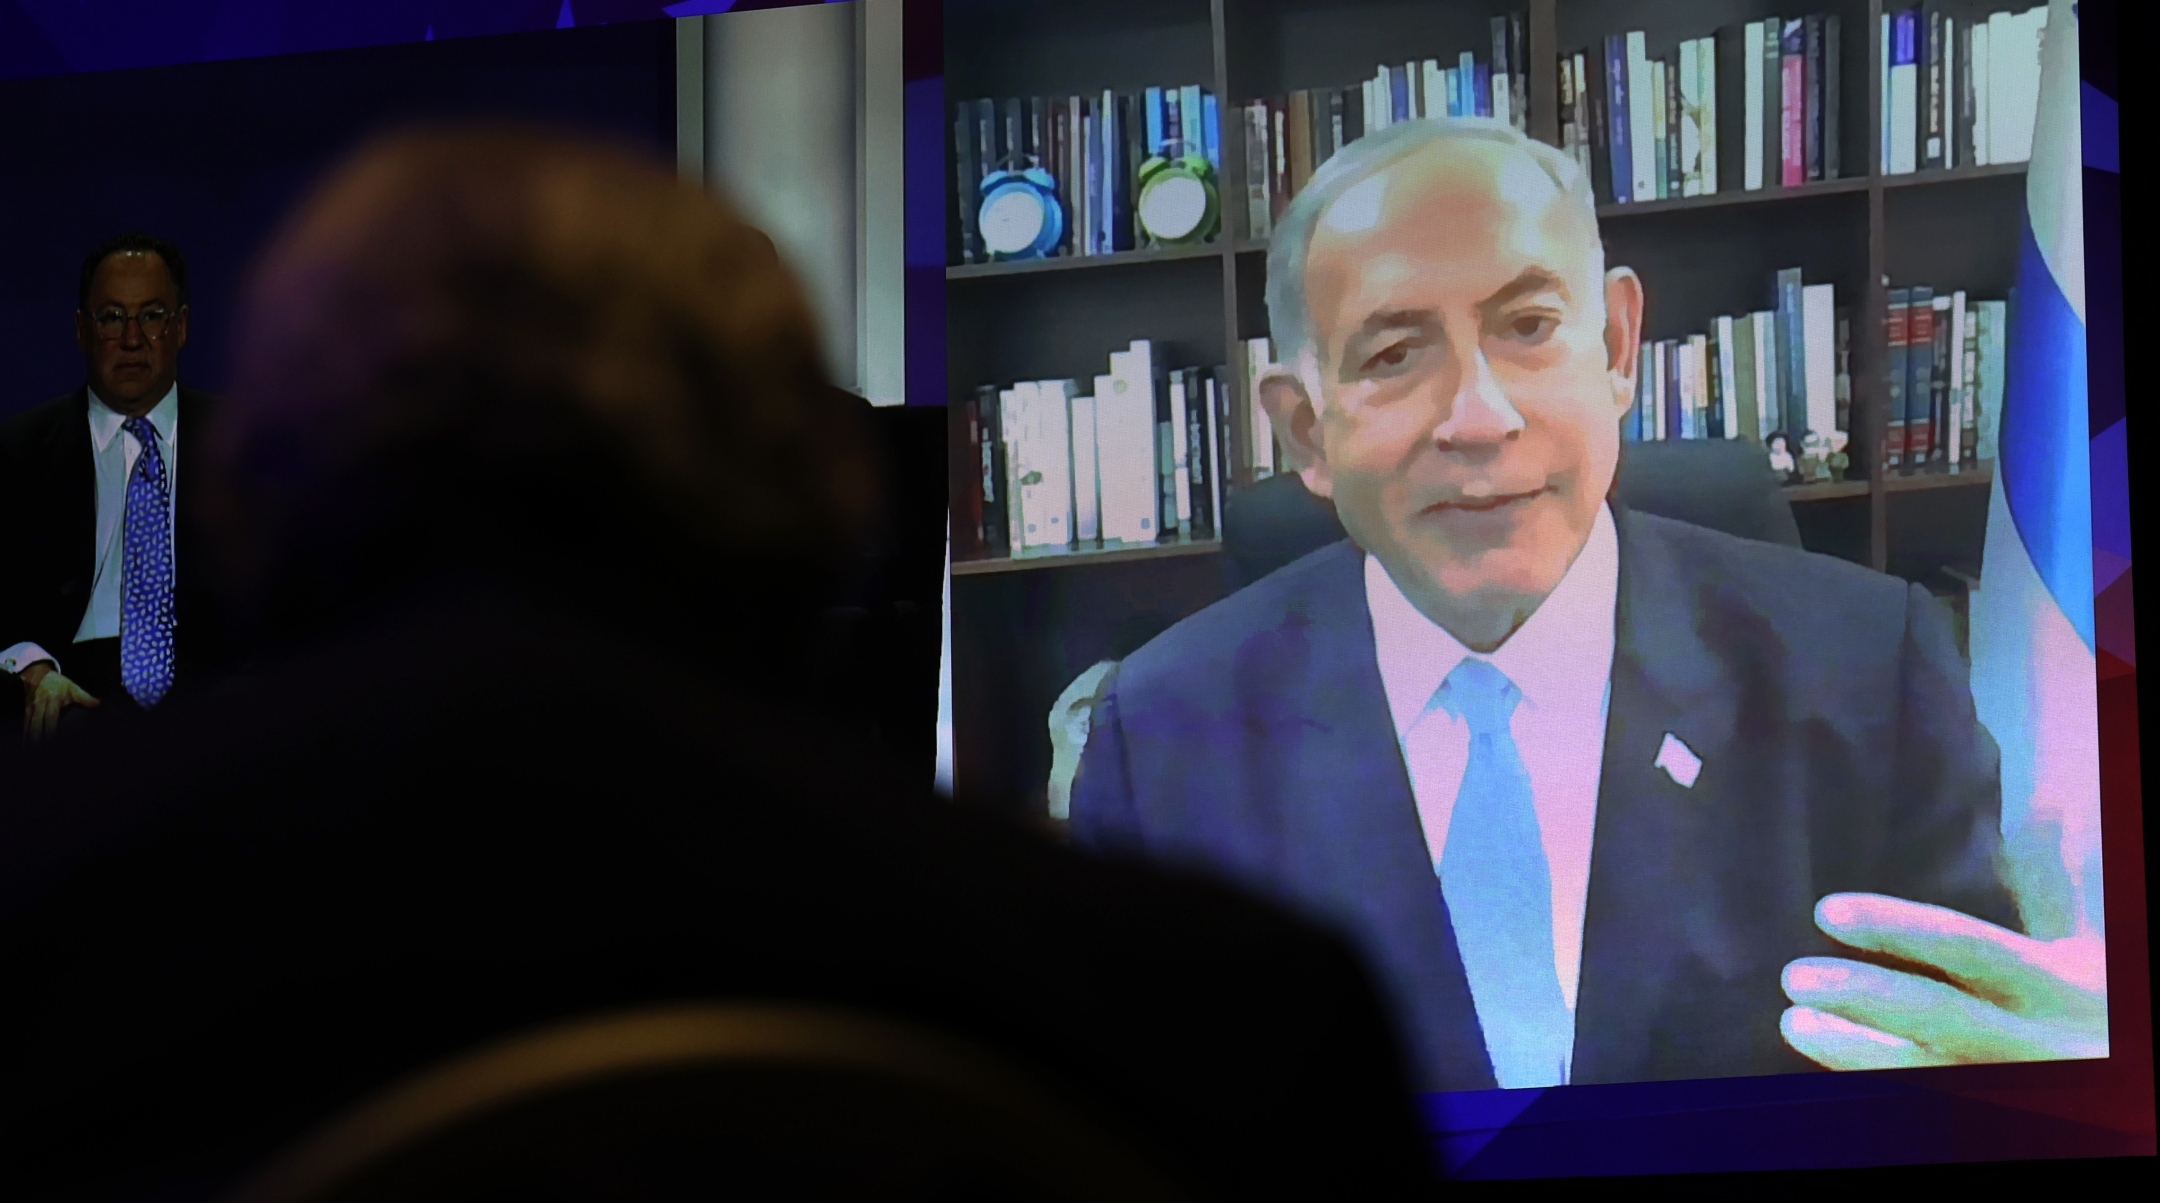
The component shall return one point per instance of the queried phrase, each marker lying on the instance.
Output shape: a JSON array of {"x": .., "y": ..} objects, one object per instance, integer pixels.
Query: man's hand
[
  {"x": 2005, "y": 997},
  {"x": 45, "y": 694}
]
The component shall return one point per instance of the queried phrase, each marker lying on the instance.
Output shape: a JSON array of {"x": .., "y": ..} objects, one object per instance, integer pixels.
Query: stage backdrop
[{"x": 212, "y": 155}]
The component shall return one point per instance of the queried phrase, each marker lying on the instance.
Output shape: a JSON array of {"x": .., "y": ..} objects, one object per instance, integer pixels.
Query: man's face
[
  {"x": 1473, "y": 364},
  {"x": 132, "y": 330}
]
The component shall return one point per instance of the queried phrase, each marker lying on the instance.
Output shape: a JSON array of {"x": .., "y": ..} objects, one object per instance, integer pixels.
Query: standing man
[{"x": 90, "y": 608}]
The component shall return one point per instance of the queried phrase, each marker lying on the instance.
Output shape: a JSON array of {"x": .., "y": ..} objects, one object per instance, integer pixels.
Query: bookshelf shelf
[
  {"x": 1735, "y": 197},
  {"x": 1032, "y": 267},
  {"x": 1079, "y": 559},
  {"x": 1981, "y": 475},
  {"x": 1828, "y": 490},
  {"x": 1955, "y": 175}
]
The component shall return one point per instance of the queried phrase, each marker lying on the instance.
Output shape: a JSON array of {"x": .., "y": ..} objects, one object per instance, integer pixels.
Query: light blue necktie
[
  {"x": 146, "y": 573},
  {"x": 1499, "y": 888}
]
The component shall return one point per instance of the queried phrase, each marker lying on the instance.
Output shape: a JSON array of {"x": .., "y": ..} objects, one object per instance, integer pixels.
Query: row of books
[
  {"x": 1142, "y": 459},
  {"x": 1784, "y": 370},
  {"x": 1945, "y": 379},
  {"x": 1092, "y": 148},
  {"x": 1287, "y": 138},
  {"x": 1958, "y": 93}
]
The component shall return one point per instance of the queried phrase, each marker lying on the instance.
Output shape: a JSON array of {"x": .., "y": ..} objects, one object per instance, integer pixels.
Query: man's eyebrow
[{"x": 1531, "y": 282}]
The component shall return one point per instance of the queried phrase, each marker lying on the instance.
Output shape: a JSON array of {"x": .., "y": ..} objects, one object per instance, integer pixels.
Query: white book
[
  {"x": 1383, "y": 100},
  {"x": 1180, "y": 454},
  {"x": 1125, "y": 435},
  {"x": 1582, "y": 85},
  {"x": 1751, "y": 151},
  {"x": 1438, "y": 86},
  {"x": 2033, "y": 27},
  {"x": 1764, "y": 330},
  {"x": 1012, "y": 412},
  {"x": 1728, "y": 381},
  {"x": 1500, "y": 111},
  {"x": 1086, "y": 477},
  {"x": 1658, "y": 385},
  {"x": 1691, "y": 140},
  {"x": 1950, "y": 94},
  {"x": 1259, "y": 354},
  {"x": 1818, "y": 329},
  {"x": 1045, "y": 464},
  {"x": 1954, "y": 419},
  {"x": 1994, "y": 320},
  {"x": 1904, "y": 110},
  {"x": 1981, "y": 60},
  {"x": 1439, "y": 99},
  {"x": 2014, "y": 83},
  {"x": 1706, "y": 64},
  {"x": 1660, "y": 121},
  {"x": 1884, "y": 124},
  {"x": 1640, "y": 126}
]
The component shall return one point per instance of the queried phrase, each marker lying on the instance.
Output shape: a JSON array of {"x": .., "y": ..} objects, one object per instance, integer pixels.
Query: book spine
[
  {"x": 1773, "y": 102},
  {"x": 1570, "y": 140},
  {"x": 1818, "y": 319},
  {"x": 1932, "y": 46},
  {"x": 1953, "y": 432},
  {"x": 1727, "y": 377},
  {"x": 1792, "y": 102},
  {"x": 1952, "y": 63},
  {"x": 1398, "y": 95},
  {"x": 1751, "y": 106},
  {"x": 1170, "y": 498},
  {"x": 1667, "y": 77},
  {"x": 1128, "y": 225},
  {"x": 1219, "y": 460},
  {"x": 1963, "y": 90},
  {"x": 1519, "y": 71},
  {"x": 1190, "y": 133},
  {"x": 1706, "y": 67},
  {"x": 966, "y": 190},
  {"x": 1982, "y": 60},
  {"x": 1642, "y": 137},
  {"x": 1300, "y": 120},
  {"x": 1086, "y": 474},
  {"x": 1619, "y": 116},
  {"x": 1939, "y": 361},
  {"x": 1337, "y": 122},
  {"x": 1987, "y": 417},
  {"x": 1885, "y": 34},
  {"x": 1260, "y": 451},
  {"x": 1904, "y": 95},
  {"x": 1746, "y": 412},
  {"x": 1709, "y": 354},
  {"x": 1691, "y": 139},
  {"x": 1792, "y": 357},
  {"x": 1969, "y": 398},
  {"x": 1832, "y": 131},
  {"x": 1896, "y": 327},
  {"x": 1811, "y": 130},
  {"x": 1052, "y": 461},
  {"x": 1211, "y": 130},
  {"x": 1259, "y": 206},
  {"x": 1919, "y": 376},
  {"x": 1198, "y": 455},
  {"x": 1279, "y": 170},
  {"x": 1483, "y": 87}
]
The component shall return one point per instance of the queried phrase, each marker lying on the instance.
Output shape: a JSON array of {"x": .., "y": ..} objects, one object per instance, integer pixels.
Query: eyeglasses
[{"x": 112, "y": 323}]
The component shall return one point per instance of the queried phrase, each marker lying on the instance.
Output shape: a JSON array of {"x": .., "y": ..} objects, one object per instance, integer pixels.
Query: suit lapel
[
  {"x": 1669, "y": 946},
  {"x": 1361, "y": 849}
]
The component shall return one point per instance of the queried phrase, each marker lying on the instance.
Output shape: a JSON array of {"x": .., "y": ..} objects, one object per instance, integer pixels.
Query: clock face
[
  {"x": 1012, "y": 219},
  {"x": 1174, "y": 207}
]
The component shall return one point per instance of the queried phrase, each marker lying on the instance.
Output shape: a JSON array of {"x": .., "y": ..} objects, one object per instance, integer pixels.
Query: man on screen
[
  {"x": 1601, "y": 794},
  {"x": 90, "y": 608}
]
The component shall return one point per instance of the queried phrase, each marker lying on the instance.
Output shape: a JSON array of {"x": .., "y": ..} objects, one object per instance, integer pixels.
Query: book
[
  {"x": 1940, "y": 328},
  {"x": 1259, "y": 355},
  {"x": 1771, "y": 394},
  {"x": 1773, "y": 102},
  {"x": 1896, "y": 339},
  {"x": 1665, "y": 120},
  {"x": 1931, "y": 73},
  {"x": 1811, "y": 76},
  {"x": 1884, "y": 37},
  {"x": 1832, "y": 88},
  {"x": 1903, "y": 99},
  {"x": 1953, "y": 438},
  {"x": 1219, "y": 448},
  {"x": 1199, "y": 457},
  {"x": 1952, "y": 65},
  {"x": 1046, "y": 484},
  {"x": 1991, "y": 331},
  {"x": 1300, "y": 137},
  {"x": 1969, "y": 397},
  {"x": 967, "y": 181},
  {"x": 1723, "y": 334},
  {"x": 1751, "y": 106},
  {"x": 1259, "y": 204},
  {"x": 1177, "y": 436},
  {"x": 1979, "y": 63},
  {"x": 1125, "y": 435},
  {"x": 1279, "y": 177},
  {"x": 1690, "y": 120},
  {"x": 1085, "y": 474},
  {"x": 1570, "y": 128},
  {"x": 1919, "y": 375},
  {"x": 1643, "y": 136},
  {"x": 991, "y": 469},
  {"x": 1844, "y": 374},
  {"x": 1707, "y": 67},
  {"x": 1792, "y": 102},
  {"x": 1211, "y": 130},
  {"x": 1620, "y": 118},
  {"x": 1746, "y": 394},
  {"x": 1519, "y": 71},
  {"x": 1792, "y": 356},
  {"x": 1961, "y": 91},
  {"x": 1818, "y": 318}
]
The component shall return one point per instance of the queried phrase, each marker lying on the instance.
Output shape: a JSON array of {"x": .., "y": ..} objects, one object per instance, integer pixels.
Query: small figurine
[
  {"x": 1781, "y": 459},
  {"x": 1839, "y": 462},
  {"x": 1814, "y": 458}
]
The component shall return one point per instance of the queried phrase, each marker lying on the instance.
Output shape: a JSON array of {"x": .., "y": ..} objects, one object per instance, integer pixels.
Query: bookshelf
[{"x": 1024, "y": 627}]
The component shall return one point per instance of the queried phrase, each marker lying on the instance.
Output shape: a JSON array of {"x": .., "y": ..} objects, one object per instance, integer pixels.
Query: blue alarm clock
[{"x": 1020, "y": 217}]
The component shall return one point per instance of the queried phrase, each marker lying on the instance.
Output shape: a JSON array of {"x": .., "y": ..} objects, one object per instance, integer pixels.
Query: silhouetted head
[
  {"x": 131, "y": 320},
  {"x": 495, "y": 349}
]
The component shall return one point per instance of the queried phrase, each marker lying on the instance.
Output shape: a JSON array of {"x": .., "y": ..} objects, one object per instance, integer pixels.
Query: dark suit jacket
[
  {"x": 48, "y": 526},
  {"x": 1827, "y": 703},
  {"x": 329, "y": 871}
]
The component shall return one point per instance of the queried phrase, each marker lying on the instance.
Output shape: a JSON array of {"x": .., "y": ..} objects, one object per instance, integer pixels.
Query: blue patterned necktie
[
  {"x": 1498, "y": 888},
  {"x": 146, "y": 574}
]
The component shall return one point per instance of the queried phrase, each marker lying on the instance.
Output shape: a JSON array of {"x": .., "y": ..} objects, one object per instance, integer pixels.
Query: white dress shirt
[
  {"x": 1561, "y": 660},
  {"x": 114, "y": 452}
]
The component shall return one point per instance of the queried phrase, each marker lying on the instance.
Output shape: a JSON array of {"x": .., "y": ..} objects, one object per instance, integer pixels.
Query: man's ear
[
  {"x": 1296, "y": 420},
  {"x": 1623, "y": 333}
]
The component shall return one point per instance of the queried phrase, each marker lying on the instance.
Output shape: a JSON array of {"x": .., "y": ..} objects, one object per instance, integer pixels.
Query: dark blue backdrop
[{"x": 211, "y": 155}]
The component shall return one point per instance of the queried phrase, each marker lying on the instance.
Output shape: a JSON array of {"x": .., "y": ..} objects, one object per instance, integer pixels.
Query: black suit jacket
[
  {"x": 48, "y": 524},
  {"x": 1827, "y": 703},
  {"x": 318, "y": 876}
]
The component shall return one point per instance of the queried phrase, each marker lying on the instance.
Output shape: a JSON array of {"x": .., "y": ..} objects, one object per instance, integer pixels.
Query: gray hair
[{"x": 1288, "y": 317}]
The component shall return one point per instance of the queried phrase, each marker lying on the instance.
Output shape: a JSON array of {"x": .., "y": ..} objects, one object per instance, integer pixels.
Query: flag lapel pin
[{"x": 1679, "y": 761}]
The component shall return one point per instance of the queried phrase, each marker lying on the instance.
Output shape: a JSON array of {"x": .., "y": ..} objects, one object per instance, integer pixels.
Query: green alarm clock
[{"x": 1180, "y": 203}]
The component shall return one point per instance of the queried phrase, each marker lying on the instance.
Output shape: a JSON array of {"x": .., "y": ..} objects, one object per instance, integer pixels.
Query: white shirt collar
[
  {"x": 1547, "y": 657},
  {"x": 105, "y": 421}
]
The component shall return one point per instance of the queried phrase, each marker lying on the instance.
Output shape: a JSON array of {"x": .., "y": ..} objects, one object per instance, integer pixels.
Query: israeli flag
[{"x": 2034, "y": 672}]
